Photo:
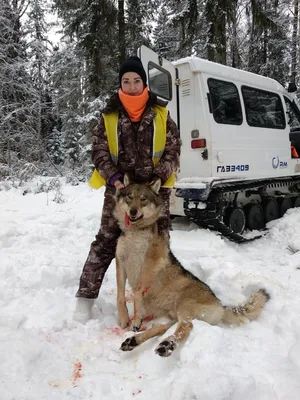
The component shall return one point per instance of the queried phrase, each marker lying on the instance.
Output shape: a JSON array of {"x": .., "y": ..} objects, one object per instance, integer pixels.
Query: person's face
[{"x": 132, "y": 84}]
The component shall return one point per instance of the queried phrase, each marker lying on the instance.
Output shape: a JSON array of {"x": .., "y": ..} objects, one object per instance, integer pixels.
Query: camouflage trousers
[{"x": 103, "y": 248}]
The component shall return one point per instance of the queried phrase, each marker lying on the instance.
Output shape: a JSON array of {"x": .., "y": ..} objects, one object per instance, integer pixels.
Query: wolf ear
[
  {"x": 155, "y": 186},
  {"x": 126, "y": 180}
]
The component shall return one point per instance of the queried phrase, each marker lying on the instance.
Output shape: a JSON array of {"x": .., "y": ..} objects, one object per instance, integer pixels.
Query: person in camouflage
[{"x": 135, "y": 130}]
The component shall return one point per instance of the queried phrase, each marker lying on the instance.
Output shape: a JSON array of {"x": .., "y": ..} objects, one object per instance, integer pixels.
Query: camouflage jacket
[{"x": 135, "y": 142}]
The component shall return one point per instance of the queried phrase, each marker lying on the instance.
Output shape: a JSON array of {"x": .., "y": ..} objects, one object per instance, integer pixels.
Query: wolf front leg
[
  {"x": 154, "y": 261},
  {"x": 138, "y": 307},
  {"x": 121, "y": 301},
  {"x": 141, "y": 292}
]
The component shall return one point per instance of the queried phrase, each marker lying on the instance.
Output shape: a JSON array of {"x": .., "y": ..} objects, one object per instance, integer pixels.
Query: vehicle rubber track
[{"x": 212, "y": 216}]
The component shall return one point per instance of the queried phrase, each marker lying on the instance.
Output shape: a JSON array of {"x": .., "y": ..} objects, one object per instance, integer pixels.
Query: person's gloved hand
[{"x": 118, "y": 185}]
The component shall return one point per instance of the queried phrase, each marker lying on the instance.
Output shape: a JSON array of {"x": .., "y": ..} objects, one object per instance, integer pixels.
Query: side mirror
[{"x": 292, "y": 87}]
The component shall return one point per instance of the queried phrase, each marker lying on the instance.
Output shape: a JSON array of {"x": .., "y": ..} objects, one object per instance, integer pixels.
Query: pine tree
[
  {"x": 178, "y": 33},
  {"x": 66, "y": 74},
  {"x": 92, "y": 24},
  {"x": 165, "y": 34},
  {"x": 235, "y": 35},
  {"x": 38, "y": 52},
  {"x": 261, "y": 25},
  {"x": 268, "y": 41},
  {"x": 17, "y": 94},
  {"x": 216, "y": 16},
  {"x": 139, "y": 17}
]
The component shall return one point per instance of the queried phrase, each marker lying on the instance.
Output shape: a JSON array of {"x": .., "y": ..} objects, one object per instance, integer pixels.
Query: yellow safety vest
[{"x": 159, "y": 143}]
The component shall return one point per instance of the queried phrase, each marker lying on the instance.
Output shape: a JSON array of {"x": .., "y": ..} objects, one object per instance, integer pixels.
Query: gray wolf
[{"x": 161, "y": 285}]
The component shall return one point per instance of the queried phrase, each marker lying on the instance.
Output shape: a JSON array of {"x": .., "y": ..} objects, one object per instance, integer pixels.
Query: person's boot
[{"x": 83, "y": 310}]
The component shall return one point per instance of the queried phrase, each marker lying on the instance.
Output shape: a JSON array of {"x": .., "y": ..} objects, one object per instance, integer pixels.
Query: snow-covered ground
[{"x": 46, "y": 355}]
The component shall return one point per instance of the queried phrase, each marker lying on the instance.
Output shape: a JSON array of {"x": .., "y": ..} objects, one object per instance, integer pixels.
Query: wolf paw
[
  {"x": 129, "y": 344},
  {"x": 136, "y": 325},
  {"x": 123, "y": 317},
  {"x": 124, "y": 322},
  {"x": 166, "y": 348}
]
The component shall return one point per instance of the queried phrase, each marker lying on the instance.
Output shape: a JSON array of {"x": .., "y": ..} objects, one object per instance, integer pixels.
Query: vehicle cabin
[{"x": 234, "y": 125}]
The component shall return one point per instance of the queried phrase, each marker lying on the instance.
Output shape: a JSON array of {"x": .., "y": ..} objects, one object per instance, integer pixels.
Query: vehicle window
[
  {"x": 160, "y": 81},
  {"x": 263, "y": 109},
  {"x": 225, "y": 102},
  {"x": 293, "y": 113}
]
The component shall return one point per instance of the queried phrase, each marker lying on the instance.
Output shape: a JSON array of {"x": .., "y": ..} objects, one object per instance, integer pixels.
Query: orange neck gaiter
[{"x": 134, "y": 105}]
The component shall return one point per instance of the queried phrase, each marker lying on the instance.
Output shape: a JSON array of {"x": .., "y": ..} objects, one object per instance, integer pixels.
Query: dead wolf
[{"x": 161, "y": 285}]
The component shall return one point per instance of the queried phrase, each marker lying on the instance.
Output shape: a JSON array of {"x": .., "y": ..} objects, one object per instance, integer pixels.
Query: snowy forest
[{"x": 59, "y": 61}]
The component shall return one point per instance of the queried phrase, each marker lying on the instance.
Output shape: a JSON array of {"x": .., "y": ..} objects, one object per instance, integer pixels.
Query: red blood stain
[
  {"x": 146, "y": 291},
  {"x": 77, "y": 372},
  {"x": 116, "y": 330},
  {"x": 148, "y": 319}
]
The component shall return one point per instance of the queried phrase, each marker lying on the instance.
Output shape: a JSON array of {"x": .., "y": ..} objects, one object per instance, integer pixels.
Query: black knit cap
[{"x": 133, "y": 64}]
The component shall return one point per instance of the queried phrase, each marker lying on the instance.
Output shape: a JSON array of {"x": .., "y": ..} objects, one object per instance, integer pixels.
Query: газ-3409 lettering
[{"x": 233, "y": 168}]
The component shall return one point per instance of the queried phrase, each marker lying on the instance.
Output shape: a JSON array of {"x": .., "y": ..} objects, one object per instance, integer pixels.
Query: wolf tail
[{"x": 250, "y": 310}]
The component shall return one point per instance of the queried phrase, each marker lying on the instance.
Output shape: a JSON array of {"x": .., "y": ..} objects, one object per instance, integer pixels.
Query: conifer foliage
[{"x": 17, "y": 91}]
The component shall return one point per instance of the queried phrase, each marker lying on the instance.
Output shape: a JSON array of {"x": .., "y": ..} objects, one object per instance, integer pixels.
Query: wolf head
[{"x": 138, "y": 205}]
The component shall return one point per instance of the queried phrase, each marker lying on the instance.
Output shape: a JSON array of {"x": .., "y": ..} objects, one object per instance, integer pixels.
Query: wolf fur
[{"x": 161, "y": 285}]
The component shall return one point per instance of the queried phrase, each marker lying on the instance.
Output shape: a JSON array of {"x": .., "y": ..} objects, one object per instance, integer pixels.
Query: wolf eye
[
  {"x": 129, "y": 197},
  {"x": 143, "y": 199}
]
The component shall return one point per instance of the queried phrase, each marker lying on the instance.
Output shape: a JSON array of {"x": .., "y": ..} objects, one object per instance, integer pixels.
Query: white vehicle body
[{"x": 238, "y": 151}]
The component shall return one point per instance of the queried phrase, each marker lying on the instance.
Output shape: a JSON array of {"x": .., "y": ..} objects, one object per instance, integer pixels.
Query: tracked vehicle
[{"x": 240, "y": 132}]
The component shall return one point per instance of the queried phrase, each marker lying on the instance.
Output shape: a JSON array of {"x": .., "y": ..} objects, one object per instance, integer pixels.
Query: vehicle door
[{"x": 162, "y": 79}]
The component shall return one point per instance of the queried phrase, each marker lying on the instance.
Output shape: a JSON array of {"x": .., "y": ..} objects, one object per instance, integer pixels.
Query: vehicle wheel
[
  {"x": 284, "y": 205},
  {"x": 271, "y": 210},
  {"x": 255, "y": 217},
  {"x": 235, "y": 219},
  {"x": 297, "y": 201}
]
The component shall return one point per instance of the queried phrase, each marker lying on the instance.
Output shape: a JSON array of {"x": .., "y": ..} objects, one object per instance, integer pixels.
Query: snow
[{"x": 46, "y": 355}]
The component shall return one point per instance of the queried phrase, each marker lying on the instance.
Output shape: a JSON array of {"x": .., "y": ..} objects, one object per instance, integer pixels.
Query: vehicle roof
[{"x": 233, "y": 74}]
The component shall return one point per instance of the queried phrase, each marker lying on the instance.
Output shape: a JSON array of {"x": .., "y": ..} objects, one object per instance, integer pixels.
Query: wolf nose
[{"x": 133, "y": 212}]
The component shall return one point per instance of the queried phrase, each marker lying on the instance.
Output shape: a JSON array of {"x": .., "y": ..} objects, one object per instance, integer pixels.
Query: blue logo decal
[{"x": 277, "y": 163}]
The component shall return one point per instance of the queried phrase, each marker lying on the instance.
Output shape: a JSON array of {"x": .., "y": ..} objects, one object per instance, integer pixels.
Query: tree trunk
[
  {"x": 252, "y": 52},
  {"x": 121, "y": 23},
  {"x": 236, "y": 62},
  {"x": 39, "y": 84},
  {"x": 216, "y": 17},
  {"x": 220, "y": 34},
  {"x": 294, "y": 42}
]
